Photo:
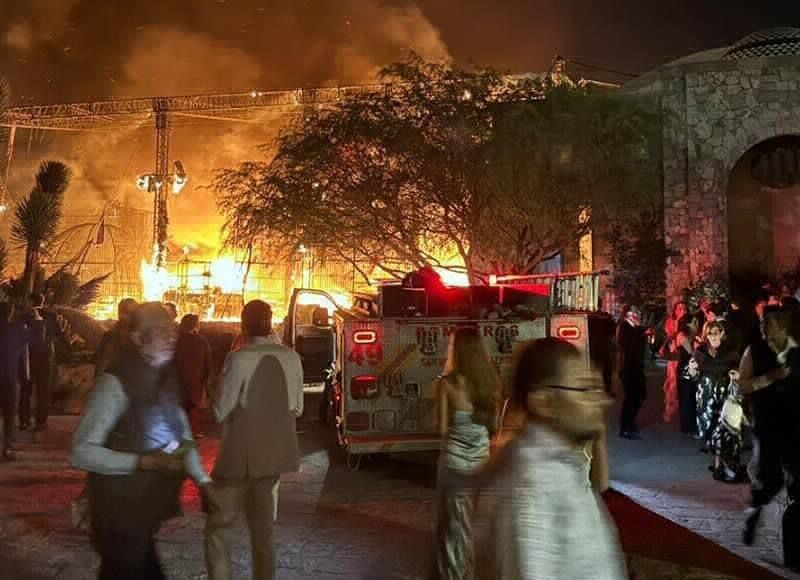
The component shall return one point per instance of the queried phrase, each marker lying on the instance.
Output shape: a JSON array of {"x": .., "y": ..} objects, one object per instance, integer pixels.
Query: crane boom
[{"x": 77, "y": 115}]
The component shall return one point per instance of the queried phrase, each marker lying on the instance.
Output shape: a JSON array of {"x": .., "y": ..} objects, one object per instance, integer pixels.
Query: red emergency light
[
  {"x": 569, "y": 332},
  {"x": 364, "y": 387},
  {"x": 365, "y": 337}
]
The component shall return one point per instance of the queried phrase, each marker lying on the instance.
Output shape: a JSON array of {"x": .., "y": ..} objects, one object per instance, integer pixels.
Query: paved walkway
[
  {"x": 666, "y": 473},
  {"x": 374, "y": 524}
]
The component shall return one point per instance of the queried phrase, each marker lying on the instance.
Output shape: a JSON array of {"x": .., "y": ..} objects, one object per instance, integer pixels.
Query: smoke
[
  {"x": 377, "y": 32},
  {"x": 170, "y": 61},
  {"x": 219, "y": 49},
  {"x": 45, "y": 20}
]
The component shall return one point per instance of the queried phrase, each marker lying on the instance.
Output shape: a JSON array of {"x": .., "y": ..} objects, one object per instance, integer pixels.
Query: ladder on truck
[{"x": 577, "y": 291}]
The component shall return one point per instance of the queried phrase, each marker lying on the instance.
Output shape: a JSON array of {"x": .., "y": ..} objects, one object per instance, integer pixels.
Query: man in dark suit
[
  {"x": 45, "y": 329},
  {"x": 632, "y": 345}
]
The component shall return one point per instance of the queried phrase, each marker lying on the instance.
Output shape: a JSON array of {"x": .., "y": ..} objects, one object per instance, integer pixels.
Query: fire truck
[{"x": 378, "y": 358}]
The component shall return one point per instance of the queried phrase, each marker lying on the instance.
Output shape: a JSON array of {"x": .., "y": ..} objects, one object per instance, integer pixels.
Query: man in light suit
[{"x": 258, "y": 401}]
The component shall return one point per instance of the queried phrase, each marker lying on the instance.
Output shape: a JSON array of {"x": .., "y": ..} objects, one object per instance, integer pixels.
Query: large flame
[
  {"x": 155, "y": 280},
  {"x": 452, "y": 278}
]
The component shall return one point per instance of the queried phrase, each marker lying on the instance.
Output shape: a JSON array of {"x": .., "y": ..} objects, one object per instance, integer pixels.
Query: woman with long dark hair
[
  {"x": 687, "y": 414},
  {"x": 467, "y": 397}
]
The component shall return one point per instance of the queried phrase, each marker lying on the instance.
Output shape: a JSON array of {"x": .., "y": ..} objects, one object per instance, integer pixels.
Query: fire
[
  {"x": 155, "y": 280},
  {"x": 227, "y": 274},
  {"x": 451, "y": 278}
]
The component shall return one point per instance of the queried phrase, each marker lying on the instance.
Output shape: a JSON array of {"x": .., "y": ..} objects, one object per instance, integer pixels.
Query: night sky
[{"x": 58, "y": 50}]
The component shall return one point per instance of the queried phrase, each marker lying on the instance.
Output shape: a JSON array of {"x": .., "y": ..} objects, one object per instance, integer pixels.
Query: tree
[
  {"x": 639, "y": 255},
  {"x": 37, "y": 216},
  {"x": 500, "y": 171},
  {"x": 556, "y": 163},
  {"x": 385, "y": 181}
]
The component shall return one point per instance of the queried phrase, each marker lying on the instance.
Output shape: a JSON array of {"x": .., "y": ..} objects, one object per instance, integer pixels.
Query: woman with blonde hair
[{"x": 467, "y": 397}]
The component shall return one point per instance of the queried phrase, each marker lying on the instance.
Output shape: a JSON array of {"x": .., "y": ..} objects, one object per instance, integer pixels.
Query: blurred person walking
[
  {"x": 193, "y": 362},
  {"x": 776, "y": 396},
  {"x": 773, "y": 379},
  {"x": 467, "y": 409},
  {"x": 547, "y": 520},
  {"x": 135, "y": 441},
  {"x": 13, "y": 369},
  {"x": 117, "y": 339},
  {"x": 258, "y": 401}
]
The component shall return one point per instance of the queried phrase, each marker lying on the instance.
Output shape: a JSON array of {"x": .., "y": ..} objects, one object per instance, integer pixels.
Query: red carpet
[{"x": 648, "y": 535}]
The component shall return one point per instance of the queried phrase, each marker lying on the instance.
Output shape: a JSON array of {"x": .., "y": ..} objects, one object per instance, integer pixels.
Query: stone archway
[{"x": 763, "y": 211}]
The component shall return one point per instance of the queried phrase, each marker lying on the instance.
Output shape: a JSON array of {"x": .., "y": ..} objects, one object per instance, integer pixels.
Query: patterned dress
[
  {"x": 726, "y": 441},
  {"x": 464, "y": 449},
  {"x": 712, "y": 388}
]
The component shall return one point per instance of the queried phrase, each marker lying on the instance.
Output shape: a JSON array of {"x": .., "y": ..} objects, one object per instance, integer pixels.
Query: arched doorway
[{"x": 764, "y": 212}]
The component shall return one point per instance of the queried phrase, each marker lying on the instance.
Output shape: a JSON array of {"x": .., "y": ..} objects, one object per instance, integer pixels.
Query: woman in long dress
[
  {"x": 682, "y": 355},
  {"x": 714, "y": 361},
  {"x": 467, "y": 397},
  {"x": 726, "y": 442},
  {"x": 669, "y": 352}
]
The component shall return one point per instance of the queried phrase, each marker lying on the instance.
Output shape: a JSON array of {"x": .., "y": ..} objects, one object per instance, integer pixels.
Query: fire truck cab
[{"x": 380, "y": 356}]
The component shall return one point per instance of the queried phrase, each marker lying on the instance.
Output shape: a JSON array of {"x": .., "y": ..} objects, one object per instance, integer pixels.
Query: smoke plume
[{"x": 189, "y": 48}]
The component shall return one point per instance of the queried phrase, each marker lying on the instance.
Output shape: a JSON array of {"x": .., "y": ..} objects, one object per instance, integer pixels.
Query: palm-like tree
[{"x": 37, "y": 217}]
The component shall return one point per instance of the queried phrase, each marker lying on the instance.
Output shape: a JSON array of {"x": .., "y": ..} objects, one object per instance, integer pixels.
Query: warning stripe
[{"x": 393, "y": 364}]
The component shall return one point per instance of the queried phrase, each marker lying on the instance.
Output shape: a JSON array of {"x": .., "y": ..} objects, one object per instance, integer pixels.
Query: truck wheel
[{"x": 353, "y": 462}]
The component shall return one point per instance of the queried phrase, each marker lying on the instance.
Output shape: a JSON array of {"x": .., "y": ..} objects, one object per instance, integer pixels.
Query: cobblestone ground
[{"x": 373, "y": 524}]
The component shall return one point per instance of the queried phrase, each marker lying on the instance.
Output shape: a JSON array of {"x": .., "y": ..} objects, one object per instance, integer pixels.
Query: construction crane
[{"x": 163, "y": 113}]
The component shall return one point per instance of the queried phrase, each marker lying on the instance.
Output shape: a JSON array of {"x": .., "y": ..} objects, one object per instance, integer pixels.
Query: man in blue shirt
[{"x": 13, "y": 367}]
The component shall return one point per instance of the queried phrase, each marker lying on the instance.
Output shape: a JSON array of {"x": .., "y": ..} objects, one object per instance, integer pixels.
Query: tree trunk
[{"x": 31, "y": 265}]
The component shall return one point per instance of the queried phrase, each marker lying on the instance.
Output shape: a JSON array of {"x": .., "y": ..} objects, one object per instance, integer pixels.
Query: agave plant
[{"x": 38, "y": 215}]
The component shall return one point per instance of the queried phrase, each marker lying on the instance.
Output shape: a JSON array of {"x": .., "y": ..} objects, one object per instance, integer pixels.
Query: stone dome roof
[{"x": 765, "y": 43}]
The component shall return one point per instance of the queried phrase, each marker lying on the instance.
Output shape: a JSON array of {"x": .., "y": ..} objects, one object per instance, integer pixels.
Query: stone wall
[{"x": 714, "y": 113}]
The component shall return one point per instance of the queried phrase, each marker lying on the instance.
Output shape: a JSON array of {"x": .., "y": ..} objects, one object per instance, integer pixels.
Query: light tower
[{"x": 159, "y": 181}]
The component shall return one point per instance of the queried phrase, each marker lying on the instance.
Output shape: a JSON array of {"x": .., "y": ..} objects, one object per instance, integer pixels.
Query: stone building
[{"x": 731, "y": 158}]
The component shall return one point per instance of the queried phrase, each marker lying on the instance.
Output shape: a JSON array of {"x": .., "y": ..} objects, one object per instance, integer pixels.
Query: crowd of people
[
  {"x": 727, "y": 370},
  {"x": 28, "y": 344},
  {"x": 136, "y": 437},
  {"x": 734, "y": 382}
]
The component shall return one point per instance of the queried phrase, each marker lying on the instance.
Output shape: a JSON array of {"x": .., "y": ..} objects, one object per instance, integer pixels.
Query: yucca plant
[
  {"x": 3, "y": 260},
  {"x": 61, "y": 288},
  {"x": 88, "y": 292},
  {"x": 37, "y": 217}
]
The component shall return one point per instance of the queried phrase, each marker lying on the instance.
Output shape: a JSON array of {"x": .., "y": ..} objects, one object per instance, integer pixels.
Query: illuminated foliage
[{"x": 496, "y": 169}]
